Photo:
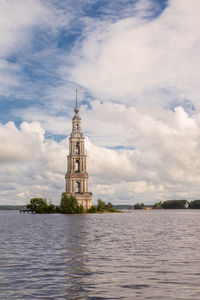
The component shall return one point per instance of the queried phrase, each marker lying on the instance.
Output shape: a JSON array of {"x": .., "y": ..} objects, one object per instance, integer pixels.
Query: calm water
[{"x": 138, "y": 255}]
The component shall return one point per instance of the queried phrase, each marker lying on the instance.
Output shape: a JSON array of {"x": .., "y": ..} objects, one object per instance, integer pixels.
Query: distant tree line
[
  {"x": 177, "y": 204},
  {"x": 123, "y": 206},
  {"x": 171, "y": 204},
  {"x": 11, "y": 207},
  {"x": 195, "y": 204},
  {"x": 68, "y": 205}
]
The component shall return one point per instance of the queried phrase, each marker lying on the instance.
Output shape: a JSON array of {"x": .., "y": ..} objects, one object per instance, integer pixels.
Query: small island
[{"x": 68, "y": 205}]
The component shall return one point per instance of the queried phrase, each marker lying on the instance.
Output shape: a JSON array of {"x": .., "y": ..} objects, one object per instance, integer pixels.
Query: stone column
[
  {"x": 86, "y": 189},
  {"x": 85, "y": 186}
]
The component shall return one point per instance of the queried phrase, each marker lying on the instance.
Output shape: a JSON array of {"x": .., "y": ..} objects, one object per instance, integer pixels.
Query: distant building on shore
[{"x": 77, "y": 176}]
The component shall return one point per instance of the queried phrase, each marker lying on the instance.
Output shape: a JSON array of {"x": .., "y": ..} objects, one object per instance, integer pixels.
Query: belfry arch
[
  {"x": 77, "y": 149},
  {"x": 77, "y": 188},
  {"x": 77, "y": 165}
]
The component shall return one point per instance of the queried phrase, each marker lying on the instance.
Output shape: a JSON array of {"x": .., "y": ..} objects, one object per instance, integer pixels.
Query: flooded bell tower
[{"x": 77, "y": 176}]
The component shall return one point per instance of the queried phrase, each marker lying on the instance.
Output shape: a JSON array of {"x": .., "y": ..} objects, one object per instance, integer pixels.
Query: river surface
[{"x": 137, "y": 255}]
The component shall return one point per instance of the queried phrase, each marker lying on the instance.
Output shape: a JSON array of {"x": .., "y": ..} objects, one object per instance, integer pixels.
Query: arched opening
[
  {"x": 77, "y": 166},
  {"x": 77, "y": 187},
  {"x": 77, "y": 149}
]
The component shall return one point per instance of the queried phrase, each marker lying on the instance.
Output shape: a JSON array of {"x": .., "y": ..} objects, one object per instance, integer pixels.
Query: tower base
[{"x": 84, "y": 199}]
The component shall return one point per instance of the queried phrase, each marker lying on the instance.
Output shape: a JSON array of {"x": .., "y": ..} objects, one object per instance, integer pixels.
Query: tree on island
[
  {"x": 40, "y": 205},
  {"x": 139, "y": 206},
  {"x": 109, "y": 207},
  {"x": 69, "y": 205},
  {"x": 105, "y": 207},
  {"x": 157, "y": 205},
  {"x": 102, "y": 207}
]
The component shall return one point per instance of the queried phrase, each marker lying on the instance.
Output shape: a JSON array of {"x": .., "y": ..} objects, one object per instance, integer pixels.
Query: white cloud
[
  {"x": 30, "y": 165},
  {"x": 20, "y": 22},
  {"x": 50, "y": 122},
  {"x": 19, "y": 18},
  {"x": 134, "y": 58},
  {"x": 19, "y": 145}
]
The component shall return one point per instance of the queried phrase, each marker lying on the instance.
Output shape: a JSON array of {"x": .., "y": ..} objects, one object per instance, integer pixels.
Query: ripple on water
[{"x": 139, "y": 255}]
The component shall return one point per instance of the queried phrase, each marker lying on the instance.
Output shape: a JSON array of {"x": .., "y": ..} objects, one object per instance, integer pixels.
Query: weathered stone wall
[{"x": 83, "y": 199}]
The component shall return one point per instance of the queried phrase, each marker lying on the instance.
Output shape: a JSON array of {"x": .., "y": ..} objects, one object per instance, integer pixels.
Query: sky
[{"x": 136, "y": 65}]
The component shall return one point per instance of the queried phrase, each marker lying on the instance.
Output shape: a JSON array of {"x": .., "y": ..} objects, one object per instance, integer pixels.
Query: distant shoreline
[
  {"x": 11, "y": 207},
  {"x": 18, "y": 207}
]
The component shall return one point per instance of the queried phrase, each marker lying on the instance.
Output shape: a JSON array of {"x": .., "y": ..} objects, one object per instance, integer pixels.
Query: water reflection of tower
[
  {"x": 77, "y": 176},
  {"x": 78, "y": 279}
]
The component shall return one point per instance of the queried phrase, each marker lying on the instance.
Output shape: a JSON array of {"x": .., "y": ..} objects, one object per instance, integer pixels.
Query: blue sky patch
[{"x": 44, "y": 63}]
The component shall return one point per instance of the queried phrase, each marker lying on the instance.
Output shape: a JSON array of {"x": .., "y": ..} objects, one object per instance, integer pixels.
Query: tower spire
[
  {"x": 76, "y": 109},
  {"x": 76, "y": 97}
]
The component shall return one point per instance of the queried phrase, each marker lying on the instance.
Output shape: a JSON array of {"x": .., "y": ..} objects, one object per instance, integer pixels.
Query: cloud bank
[{"x": 161, "y": 160}]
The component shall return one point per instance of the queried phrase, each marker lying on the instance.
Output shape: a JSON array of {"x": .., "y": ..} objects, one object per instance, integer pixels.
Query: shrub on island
[
  {"x": 92, "y": 209},
  {"x": 102, "y": 207},
  {"x": 157, "y": 205},
  {"x": 105, "y": 207}
]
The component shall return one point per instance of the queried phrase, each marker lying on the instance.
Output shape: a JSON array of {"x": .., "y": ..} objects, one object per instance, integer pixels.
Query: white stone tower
[{"x": 77, "y": 176}]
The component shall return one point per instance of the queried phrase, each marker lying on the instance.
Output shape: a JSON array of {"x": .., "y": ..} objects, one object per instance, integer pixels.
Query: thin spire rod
[
  {"x": 76, "y": 109},
  {"x": 76, "y": 97}
]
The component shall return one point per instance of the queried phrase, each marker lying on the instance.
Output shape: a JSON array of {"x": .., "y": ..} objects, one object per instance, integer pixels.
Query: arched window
[
  {"x": 77, "y": 149},
  {"x": 77, "y": 166},
  {"x": 77, "y": 187}
]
